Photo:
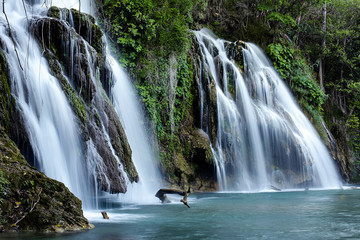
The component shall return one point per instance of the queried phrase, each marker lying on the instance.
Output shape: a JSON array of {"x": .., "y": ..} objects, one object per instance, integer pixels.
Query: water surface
[{"x": 269, "y": 215}]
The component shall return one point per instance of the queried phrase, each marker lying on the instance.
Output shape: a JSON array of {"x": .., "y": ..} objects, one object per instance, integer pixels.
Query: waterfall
[
  {"x": 86, "y": 6},
  {"x": 48, "y": 117},
  {"x": 127, "y": 106},
  {"x": 128, "y": 109},
  {"x": 87, "y": 158},
  {"x": 263, "y": 139}
]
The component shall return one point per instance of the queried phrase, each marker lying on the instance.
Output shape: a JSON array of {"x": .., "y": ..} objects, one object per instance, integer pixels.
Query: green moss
[
  {"x": 4, "y": 183},
  {"x": 31, "y": 201},
  {"x": 86, "y": 27},
  {"x": 295, "y": 70},
  {"x": 77, "y": 105},
  {"x": 73, "y": 98},
  {"x": 7, "y": 102},
  {"x": 316, "y": 119},
  {"x": 54, "y": 12}
]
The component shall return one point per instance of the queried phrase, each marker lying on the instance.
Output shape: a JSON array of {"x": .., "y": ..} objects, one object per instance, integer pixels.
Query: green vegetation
[
  {"x": 314, "y": 45},
  {"x": 7, "y": 103},
  {"x": 297, "y": 72},
  {"x": 148, "y": 29},
  {"x": 153, "y": 40},
  {"x": 31, "y": 201}
]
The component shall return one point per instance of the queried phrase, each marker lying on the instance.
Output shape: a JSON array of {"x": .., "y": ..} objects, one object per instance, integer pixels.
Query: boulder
[{"x": 31, "y": 201}]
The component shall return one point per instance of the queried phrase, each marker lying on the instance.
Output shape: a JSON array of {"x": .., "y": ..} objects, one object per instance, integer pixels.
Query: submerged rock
[{"x": 31, "y": 201}]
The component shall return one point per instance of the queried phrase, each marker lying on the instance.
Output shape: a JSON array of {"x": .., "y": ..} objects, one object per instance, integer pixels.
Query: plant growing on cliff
[
  {"x": 293, "y": 68},
  {"x": 153, "y": 40},
  {"x": 148, "y": 28},
  {"x": 132, "y": 26}
]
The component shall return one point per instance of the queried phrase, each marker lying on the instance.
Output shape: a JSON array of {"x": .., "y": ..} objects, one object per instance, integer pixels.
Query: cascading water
[
  {"x": 86, "y": 6},
  {"x": 127, "y": 107},
  {"x": 48, "y": 117},
  {"x": 85, "y": 165},
  {"x": 263, "y": 139}
]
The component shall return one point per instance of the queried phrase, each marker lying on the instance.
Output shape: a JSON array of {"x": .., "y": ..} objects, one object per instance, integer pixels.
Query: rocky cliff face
[
  {"x": 338, "y": 142},
  {"x": 31, "y": 201},
  {"x": 74, "y": 47},
  {"x": 28, "y": 199}
]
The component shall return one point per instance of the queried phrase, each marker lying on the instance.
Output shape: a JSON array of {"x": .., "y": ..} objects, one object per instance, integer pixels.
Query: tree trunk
[{"x": 323, "y": 46}]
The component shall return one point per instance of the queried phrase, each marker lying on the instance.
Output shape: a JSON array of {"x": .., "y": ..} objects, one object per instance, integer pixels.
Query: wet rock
[
  {"x": 201, "y": 150},
  {"x": 109, "y": 177},
  {"x": 31, "y": 201},
  {"x": 120, "y": 143},
  {"x": 338, "y": 140},
  {"x": 64, "y": 43},
  {"x": 84, "y": 24},
  {"x": 7, "y": 102},
  {"x": 201, "y": 155},
  {"x": 219, "y": 70},
  {"x": 235, "y": 52},
  {"x": 10, "y": 116},
  {"x": 340, "y": 151},
  {"x": 73, "y": 46},
  {"x": 213, "y": 123},
  {"x": 54, "y": 12}
]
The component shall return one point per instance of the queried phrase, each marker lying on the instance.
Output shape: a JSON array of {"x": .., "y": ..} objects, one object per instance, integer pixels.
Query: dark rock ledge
[{"x": 30, "y": 201}]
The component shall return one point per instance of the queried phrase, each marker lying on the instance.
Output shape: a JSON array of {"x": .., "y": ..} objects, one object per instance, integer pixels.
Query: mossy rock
[
  {"x": 67, "y": 48},
  {"x": 201, "y": 147},
  {"x": 30, "y": 201},
  {"x": 7, "y": 102},
  {"x": 54, "y": 12},
  {"x": 71, "y": 60},
  {"x": 70, "y": 93},
  {"x": 85, "y": 26},
  {"x": 120, "y": 143}
]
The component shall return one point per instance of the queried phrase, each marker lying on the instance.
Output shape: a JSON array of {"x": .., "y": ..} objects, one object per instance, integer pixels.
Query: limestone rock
[
  {"x": 31, "y": 201},
  {"x": 201, "y": 148},
  {"x": 120, "y": 143},
  {"x": 66, "y": 36}
]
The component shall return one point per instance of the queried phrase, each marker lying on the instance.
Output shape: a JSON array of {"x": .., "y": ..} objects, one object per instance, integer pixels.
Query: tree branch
[
  {"x": 11, "y": 35},
  {"x": 31, "y": 209}
]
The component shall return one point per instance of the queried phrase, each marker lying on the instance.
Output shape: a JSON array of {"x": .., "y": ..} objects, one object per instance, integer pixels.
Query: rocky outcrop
[
  {"x": 202, "y": 156},
  {"x": 206, "y": 101},
  {"x": 28, "y": 199},
  {"x": 10, "y": 117},
  {"x": 186, "y": 155},
  {"x": 338, "y": 140},
  {"x": 195, "y": 165},
  {"x": 73, "y": 45},
  {"x": 7, "y": 102},
  {"x": 31, "y": 201},
  {"x": 340, "y": 151}
]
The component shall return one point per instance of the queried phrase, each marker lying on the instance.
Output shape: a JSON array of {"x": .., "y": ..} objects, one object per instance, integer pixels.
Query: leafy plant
[{"x": 293, "y": 68}]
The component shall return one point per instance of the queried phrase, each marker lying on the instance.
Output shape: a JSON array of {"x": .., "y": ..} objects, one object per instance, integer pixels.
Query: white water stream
[
  {"x": 49, "y": 119},
  {"x": 127, "y": 106},
  {"x": 263, "y": 139}
]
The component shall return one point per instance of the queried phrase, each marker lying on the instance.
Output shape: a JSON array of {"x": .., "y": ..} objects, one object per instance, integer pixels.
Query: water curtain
[{"x": 262, "y": 140}]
